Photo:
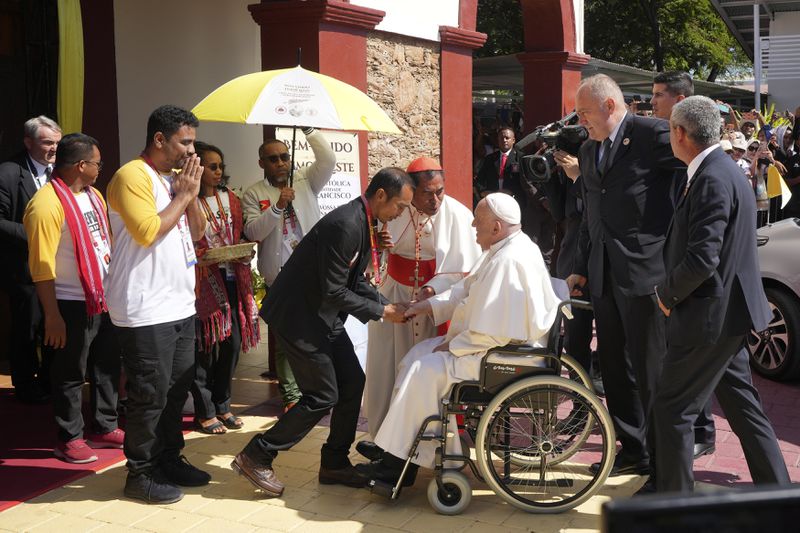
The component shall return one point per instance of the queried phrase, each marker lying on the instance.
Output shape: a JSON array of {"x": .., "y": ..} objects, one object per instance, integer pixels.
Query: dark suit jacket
[
  {"x": 323, "y": 280},
  {"x": 566, "y": 206},
  {"x": 488, "y": 178},
  {"x": 16, "y": 189},
  {"x": 713, "y": 286},
  {"x": 627, "y": 208}
]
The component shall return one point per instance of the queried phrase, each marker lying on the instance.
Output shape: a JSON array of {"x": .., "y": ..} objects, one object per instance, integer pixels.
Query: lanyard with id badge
[{"x": 183, "y": 222}]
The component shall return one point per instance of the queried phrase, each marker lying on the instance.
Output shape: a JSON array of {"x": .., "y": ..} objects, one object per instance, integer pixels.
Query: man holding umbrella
[{"x": 277, "y": 213}]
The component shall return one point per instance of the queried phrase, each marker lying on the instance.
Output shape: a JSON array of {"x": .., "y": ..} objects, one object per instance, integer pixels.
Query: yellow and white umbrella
[{"x": 294, "y": 97}]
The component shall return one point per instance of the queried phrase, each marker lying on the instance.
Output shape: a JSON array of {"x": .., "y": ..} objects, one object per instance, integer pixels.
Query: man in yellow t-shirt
[
  {"x": 155, "y": 218},
  {"x": 69, "y": 253}
]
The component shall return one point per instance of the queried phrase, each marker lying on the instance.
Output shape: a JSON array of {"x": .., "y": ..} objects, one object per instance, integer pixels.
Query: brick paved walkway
[{"x": 230, "y": 504}]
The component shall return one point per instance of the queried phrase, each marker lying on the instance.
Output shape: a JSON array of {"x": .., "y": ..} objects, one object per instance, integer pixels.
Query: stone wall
[{"x": 403, "y": 78}]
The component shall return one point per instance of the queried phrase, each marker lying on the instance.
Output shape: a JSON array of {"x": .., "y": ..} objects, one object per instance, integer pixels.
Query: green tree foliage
[{"x": 650, "y": 34}]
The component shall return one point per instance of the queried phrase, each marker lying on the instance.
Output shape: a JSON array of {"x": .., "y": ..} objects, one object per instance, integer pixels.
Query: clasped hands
[{"x": 403, "y": 311}]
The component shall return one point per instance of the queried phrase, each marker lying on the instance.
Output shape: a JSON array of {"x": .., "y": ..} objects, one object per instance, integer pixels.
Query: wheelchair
[{"x": 536, "y": 426}]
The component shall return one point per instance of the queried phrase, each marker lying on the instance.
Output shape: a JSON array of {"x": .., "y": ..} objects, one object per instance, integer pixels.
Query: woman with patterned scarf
[{"x": 226, "y": 310}]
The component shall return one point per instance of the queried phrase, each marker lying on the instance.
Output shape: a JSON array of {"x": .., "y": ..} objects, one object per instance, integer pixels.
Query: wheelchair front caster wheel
[{"x": 453, "y": 497}]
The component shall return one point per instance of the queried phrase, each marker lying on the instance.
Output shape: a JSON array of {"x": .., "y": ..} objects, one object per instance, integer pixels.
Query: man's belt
[{"x": 402, "y": 270}]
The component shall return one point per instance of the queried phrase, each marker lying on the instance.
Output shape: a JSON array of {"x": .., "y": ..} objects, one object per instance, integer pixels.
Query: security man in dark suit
[
  {"x": 627, "y": 168},
  {"x": 20, "y": 178},
  {"x": 323, "y": 282},
  {"x": 712, "y": 295}
]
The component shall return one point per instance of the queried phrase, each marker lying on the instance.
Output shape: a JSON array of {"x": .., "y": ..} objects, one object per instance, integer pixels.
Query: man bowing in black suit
[
  {"x": 712, "y": 294},
  {"x": 20, "y": 178},
  {"x": 627, "y": 168},
  {"x": 323, "y": 282}
]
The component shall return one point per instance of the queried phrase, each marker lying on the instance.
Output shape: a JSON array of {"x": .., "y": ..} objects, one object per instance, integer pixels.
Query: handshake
[{"x": 403, "y": 311}]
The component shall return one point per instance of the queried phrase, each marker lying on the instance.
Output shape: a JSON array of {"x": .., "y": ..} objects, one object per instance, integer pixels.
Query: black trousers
[
  {"x": 578, "y": 337},
  {"x": 159, "y": 363},
  {"x": 690, "y": 375},
  {"x": 630, "y": 345},
  {"x": 211, "y": 389},
  {"x": 26, "y": 324},
  {"x": 330, "y": 377},
  {"x": 91, "y": 349}
]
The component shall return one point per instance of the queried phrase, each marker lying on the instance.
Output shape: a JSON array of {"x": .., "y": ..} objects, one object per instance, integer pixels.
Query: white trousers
[{"x": 424, "y": 378}]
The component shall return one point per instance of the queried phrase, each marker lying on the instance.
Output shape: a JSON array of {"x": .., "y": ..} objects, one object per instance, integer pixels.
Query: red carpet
[{"x": 27, "y": 465}]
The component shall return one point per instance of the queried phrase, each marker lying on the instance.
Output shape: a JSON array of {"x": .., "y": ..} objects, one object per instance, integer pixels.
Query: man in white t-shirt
[
  {"x": 150, "y": 288},
  {"x": 69, "y": 253}
]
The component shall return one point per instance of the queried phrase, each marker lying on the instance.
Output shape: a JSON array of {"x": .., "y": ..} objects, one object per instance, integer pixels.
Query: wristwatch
[{"x": 308, "y": 131}]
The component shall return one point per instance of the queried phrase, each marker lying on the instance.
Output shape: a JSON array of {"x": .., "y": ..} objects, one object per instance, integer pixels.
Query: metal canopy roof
[
  {"x": 505, "y": 72},
  {"x": 738, "y": 16}
]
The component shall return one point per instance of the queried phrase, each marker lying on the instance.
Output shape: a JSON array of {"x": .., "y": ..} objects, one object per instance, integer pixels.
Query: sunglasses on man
[{"x": 285, "y": 157}]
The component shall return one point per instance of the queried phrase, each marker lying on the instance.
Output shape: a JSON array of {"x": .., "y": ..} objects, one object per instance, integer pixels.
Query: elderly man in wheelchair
[{"x": 501, "y": 337}]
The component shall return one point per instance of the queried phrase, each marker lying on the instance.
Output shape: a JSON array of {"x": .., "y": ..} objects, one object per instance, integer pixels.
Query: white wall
[
  {"x": 784, "y": 61},
  {"x": 176, "y": 52},
  {"x": 414, "y": 18}
]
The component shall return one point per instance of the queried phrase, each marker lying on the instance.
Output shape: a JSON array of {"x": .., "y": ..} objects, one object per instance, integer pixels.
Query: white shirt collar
[
  {"x": 508, "y": 152},
  {"x": 698, "y": 159},
  {"x": 613, "y": 134},
  {"x": 38, "y": 168}
]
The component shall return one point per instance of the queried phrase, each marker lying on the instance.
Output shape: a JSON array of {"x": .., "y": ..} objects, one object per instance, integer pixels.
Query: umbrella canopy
[{"x": 294, "y": 97}]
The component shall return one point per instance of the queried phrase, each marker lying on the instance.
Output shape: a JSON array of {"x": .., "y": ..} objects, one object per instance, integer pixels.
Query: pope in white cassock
[
  {"x": 433, "y": 248},
  {"x": 507, "y": 297}
]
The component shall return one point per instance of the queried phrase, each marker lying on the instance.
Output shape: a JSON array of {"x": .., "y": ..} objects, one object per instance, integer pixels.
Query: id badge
[{"x": 186, "y": 240}]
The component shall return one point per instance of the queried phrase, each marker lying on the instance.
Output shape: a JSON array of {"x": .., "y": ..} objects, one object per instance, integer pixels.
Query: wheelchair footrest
[{"x": 381, "y": 488}]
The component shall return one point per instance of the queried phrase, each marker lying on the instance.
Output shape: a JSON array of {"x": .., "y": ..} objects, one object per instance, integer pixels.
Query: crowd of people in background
[{"x": 132, "y": 287}]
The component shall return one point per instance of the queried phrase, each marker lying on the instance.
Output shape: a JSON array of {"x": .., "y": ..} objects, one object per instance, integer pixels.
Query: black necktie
[
  {"x": 48, "y": 170},
  {"x": 606, "y": 154}
]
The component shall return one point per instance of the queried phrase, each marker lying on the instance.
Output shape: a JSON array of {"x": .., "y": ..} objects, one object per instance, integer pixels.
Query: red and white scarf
[{"x": 85, "y": 255}]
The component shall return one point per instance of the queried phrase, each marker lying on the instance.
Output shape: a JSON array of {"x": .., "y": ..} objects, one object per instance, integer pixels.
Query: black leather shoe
[
  {"x": 151, "y": 488},
  {"x": 623, "y": 467},
  {"x": 262, "y": 476},
  {"x": 649, "y": 487},
  {"x": 388, "y": 471},
  {"x": 370, "y": 450},
  {"x": 703, "y": 448},
  {"x": 348, "y": 476},
  {"x": 179, "y": 471}
]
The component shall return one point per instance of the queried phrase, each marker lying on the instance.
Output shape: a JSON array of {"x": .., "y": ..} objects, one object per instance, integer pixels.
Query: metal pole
[{"x": 757, "y": 55}]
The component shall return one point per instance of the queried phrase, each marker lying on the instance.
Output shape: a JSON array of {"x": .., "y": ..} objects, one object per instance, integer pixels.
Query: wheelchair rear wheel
[
  {"x": 535, "y": 454},
  {"x": 574, "y": 429}
]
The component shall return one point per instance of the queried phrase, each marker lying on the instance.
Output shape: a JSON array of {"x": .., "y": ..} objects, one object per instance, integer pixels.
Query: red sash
[{"x": 402, "y": 270}]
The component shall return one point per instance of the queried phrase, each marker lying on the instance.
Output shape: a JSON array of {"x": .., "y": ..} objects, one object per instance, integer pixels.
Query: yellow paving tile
[
  {"x": 294, "y": 477},
  {"x": 168, "y": 521},
  {"x": 75, "y": 505},
  {"x": 293, "y": 499},
  {"x": 427, "y": 522},
  {"x": 490, "y": 511},
  {"x": 330, "y": 524},
  {"x": 67, "y": 524},
  {"x": 233, "y": 510},
  {"x": 217, "y": 525},
  {"x": 124, "y": 512},
  {"x": 390, "y": 514},
  {"x": 279, "y": 518},
  {"x": 24, "y": 517},
  {"x": 334, "y": 505},
  {"x": 303, "y": 461}
]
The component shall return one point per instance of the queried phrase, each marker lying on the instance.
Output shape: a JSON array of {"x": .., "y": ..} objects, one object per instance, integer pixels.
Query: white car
[{"x": 775, "y": 352}]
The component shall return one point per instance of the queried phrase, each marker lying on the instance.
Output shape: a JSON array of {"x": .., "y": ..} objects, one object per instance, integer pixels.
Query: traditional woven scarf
[
  {"x": 88, "y": 268},
  {"x": 213, "y": 309}
]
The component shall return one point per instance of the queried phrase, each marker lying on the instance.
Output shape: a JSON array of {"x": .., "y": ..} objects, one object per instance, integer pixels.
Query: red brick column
[
  {"x": 456, "y": 108},
  {"x": 551, "y": 65}
]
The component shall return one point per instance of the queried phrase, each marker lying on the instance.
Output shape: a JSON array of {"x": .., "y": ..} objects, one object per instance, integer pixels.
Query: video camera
[{"x": 563, "y": 135}]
